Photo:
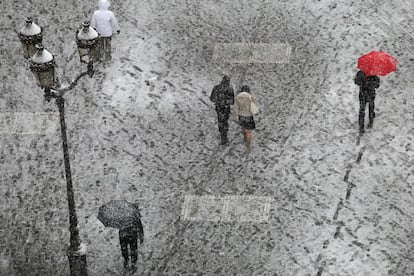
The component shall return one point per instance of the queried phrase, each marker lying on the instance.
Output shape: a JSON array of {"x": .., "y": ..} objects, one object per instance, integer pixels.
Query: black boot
[
  {"x": 134, "y": 260},
  {"x": 224, "y": 140},
  {"x": 126, "y": 265},
  {"x": 361, "y": 131},
  {"x": 371, "y": 123},
  {"x": 133, "y": 268}
]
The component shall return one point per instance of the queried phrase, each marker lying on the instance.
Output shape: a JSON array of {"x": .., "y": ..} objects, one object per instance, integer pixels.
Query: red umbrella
[{"x": 377, "y": 63}]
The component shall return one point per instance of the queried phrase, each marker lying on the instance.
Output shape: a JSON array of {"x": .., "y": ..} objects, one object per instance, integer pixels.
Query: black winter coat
[
  {"x": 222, "y": 96},
  {"x": 371, "y": 83},
  {"x": 366, "y": 83},
  {"x": 132, "y": 232}
]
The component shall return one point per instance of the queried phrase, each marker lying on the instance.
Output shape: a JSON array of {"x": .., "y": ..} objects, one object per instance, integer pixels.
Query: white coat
[
  {"x": 103, "y": 20},
  {"x": 242, "y": 104}
]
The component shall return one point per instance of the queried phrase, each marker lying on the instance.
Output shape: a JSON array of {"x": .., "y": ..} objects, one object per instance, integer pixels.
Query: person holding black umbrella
[
  {"x": 126, "y": 217},
  {"x": 128, "y": 237}
]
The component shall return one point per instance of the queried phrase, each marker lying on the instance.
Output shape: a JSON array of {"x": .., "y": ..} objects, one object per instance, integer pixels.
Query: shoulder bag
[{"x": 253, "y": 107}]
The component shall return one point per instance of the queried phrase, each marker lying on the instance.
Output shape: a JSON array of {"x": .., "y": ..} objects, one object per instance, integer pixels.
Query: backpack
[
  {"x": 371, "y": 83},
  {"x": 359, "y": 78}
]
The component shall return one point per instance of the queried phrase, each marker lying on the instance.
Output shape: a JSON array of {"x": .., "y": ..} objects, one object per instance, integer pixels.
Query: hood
[
  {"x": 225, "y": 80},
  {"x": 225, "y": 83},
  {"x": 103, "y": 4}
]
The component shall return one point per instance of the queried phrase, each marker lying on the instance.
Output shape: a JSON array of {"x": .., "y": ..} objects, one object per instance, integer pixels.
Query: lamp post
[{"x": 42, "y": 65}]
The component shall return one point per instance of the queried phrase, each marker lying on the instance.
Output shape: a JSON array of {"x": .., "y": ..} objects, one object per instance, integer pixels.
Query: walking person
[
  {"x": 128, "y": 239},
  {"x": 223, "y": 97},
  {"x": 243, "y": 108},
  {"x": 105, "y": 23},
  {"x": 367, "y": 86}
]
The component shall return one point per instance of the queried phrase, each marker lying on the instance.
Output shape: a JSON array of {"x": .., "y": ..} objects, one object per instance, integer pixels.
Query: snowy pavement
[{"x": 336, "y": 207}]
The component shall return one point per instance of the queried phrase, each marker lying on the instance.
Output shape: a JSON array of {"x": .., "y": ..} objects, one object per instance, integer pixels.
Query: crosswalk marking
[
  {"x": 226, "y": 208},
  {"x": 29, "y": 123}
]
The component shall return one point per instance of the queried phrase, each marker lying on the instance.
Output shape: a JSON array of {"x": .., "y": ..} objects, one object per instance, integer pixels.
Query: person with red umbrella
[
  {"x": 367, "y": 86},
  {"x": 371, "y": 66}
]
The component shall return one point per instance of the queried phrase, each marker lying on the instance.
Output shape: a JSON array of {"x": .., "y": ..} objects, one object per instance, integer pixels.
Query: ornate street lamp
[
  {"x": 42, "y": 65},
  {"x": 30, "y": 35}
]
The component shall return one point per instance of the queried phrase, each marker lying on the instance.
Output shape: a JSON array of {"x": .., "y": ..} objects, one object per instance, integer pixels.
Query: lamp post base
[{"x": 77, "y": 263}]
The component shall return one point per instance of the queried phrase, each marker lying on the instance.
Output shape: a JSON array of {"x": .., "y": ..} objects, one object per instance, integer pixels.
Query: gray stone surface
[
  {"x": 331, "y": 213},
  {"x": 252, "y": 52}
]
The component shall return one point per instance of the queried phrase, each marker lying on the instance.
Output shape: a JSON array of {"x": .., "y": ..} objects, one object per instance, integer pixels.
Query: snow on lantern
[
  {"x": 30, "y": 35},
  {"x": 42, "y": 65},
  {"x": 87, "y": 40}
]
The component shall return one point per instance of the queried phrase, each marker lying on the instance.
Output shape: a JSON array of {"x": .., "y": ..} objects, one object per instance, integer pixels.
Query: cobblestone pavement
[{"x": 338, "y": 205}]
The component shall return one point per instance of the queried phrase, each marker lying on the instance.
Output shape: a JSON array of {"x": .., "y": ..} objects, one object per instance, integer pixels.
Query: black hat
[
  {"x": 226, "y": 78},
  {"x": 245, "y": 88}
]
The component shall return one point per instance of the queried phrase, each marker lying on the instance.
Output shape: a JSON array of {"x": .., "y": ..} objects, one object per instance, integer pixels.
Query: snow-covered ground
[{"x": 337, "y": 208}]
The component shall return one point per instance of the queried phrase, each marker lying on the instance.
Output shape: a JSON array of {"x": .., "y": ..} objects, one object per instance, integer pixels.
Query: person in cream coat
[{"x": 242, "y": 106}]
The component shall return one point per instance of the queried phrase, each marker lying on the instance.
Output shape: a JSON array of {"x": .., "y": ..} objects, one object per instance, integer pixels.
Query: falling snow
[{"x": 143, "y": 129}]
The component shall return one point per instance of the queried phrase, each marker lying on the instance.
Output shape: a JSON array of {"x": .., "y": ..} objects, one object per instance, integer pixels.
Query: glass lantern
[
  {"x": 30, "y": 35},
  {"x": 87, "y": 40},
  {"x": 42, "y": 65}
]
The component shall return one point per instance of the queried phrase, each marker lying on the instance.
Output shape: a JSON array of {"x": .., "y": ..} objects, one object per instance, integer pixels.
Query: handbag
[{"x": 253, "y": 107}]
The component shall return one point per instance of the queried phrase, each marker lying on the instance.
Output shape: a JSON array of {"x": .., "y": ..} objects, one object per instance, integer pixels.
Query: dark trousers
[
  {"x": 223, "y": 122},
  {"x": 369, "y": 99},
  {"x": 132, "y": 243},
  {"x": 105, "y": 44}
]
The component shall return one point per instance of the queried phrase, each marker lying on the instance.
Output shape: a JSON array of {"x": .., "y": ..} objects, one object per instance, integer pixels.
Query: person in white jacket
[
  {"x": 105, "y": 23},
  {"x": 242, "y": 107}
]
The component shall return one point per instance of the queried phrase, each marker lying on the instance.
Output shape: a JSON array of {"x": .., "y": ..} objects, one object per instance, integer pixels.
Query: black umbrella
[{"x": 119, "y": 214}]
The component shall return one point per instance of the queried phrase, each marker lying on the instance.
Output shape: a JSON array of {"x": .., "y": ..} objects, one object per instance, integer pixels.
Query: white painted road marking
[
  {"x": 226, "y": 208},
  {"x": 29, "y": 123}
]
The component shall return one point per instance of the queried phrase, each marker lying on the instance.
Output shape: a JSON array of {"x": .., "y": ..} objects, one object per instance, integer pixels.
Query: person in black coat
[
  {"x": 128, "y": 237},
  {"x": 223, "y": 97},
  {"x": 367, "y": 86}
]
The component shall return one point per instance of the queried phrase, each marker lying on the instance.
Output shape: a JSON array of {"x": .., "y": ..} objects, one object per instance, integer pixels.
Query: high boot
[
  {"x": 371, "y": 123},
  {"x": 224, "y": 140},
  {"x": 126, "y": 264}
]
